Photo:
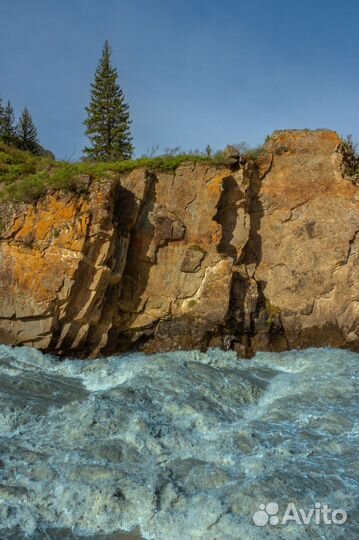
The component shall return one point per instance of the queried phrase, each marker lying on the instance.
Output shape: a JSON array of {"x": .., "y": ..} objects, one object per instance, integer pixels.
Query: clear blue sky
[{"x": 194, "y": 72}]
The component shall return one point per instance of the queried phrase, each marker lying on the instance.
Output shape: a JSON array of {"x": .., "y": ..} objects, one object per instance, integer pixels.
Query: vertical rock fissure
[
  {"x": 123, "y": 212},
  {"x": 246, "y": 296},
  {"x": 248, "y": 251},
  {"x": 136, "y": 272},
  {"x": 248, "y": 314}
]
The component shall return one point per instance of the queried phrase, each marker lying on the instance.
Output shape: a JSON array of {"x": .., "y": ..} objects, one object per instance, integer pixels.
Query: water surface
[{"x": 182, "y": 446}]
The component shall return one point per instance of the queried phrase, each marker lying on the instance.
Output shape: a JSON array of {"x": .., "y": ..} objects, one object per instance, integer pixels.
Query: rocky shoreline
[{"x": 257, "y": 255}]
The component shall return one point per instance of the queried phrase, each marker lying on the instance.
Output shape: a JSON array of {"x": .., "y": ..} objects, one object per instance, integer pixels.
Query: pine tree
[
  {"x": 2, "y": 114},
  {"x": 108, "y": 122},
  {"x": 27, "y": 138},
  {"x": 8, "y": 131}
]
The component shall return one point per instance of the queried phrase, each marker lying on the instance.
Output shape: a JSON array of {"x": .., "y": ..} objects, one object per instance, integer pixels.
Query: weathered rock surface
[
  {"x": 308, "y": 240},
  {"x": 261, "y": 255}
]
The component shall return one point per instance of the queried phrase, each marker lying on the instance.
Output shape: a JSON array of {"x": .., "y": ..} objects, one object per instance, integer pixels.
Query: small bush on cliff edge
[
  {"x": 25, "y": 177},
  {"x": 350, "y": 158},
  {"x": 250, "y": 152}
]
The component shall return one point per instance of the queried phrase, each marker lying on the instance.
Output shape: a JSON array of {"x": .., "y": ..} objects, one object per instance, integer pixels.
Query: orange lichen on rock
[{"x": 258, "y": 255}]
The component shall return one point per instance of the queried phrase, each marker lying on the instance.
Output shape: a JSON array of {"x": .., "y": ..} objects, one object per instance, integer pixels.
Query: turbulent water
[{"x": 186, "y": 445}]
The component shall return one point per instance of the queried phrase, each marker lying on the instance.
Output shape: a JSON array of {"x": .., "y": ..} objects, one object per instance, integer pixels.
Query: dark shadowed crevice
[
  {"x": 121, "y": 216},
  {"x": 136, "y": 273},
  {"x": 226, "y": 216},
  {"x": 252, "y": 251},
  {"x": 251, "y": 318},
  {"x": 247, "y": 297}
]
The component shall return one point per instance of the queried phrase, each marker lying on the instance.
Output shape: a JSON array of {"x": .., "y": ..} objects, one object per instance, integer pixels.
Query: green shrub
[
  {"x": 13, "y": 172},
  {"x": 254, "y": 153},
  {"x": 350, "y": 157},
  {"x": 272, "y": 312},
  {"x": 248, "y": 152},
  {"x": 25, "y": 177}
]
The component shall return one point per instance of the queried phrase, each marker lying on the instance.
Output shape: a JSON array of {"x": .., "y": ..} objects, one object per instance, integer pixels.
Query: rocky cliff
[{"x": 259, "y": 255}]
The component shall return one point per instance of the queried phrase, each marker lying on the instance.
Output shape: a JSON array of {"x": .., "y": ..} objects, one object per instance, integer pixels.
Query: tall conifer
[
  {"x": 108, "y": 122},
  {"x": 8, "y": 131},
  {"x": 2, "y": 114},
  {"x": 27, "y": 138}
]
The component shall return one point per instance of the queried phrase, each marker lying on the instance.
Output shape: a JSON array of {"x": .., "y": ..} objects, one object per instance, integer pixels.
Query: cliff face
[
  {"x": 260, "y": 256},
  {"x": 304, "y": 246}
]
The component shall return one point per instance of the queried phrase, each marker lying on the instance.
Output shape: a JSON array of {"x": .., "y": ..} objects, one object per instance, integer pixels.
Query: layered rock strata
[{"x": 259, "y": 255}]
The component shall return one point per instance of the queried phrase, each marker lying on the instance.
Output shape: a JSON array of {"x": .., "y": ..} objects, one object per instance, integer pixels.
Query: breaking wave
[{"x": 183, "y": 445}]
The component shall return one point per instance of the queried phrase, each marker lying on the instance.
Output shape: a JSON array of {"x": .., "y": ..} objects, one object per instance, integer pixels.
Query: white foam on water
[{"x": 185, "y": 445}]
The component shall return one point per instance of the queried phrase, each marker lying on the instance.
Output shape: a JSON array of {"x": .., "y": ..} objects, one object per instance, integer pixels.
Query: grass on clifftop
[{"x": 25, "y": 177}]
